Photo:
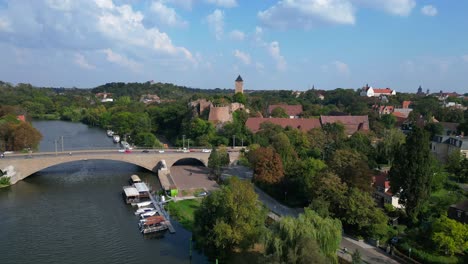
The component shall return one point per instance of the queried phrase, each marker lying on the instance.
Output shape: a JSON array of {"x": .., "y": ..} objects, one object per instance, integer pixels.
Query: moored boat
[
  {"x": 116, "y": 138},
  {"x": 110, "y": 133}
]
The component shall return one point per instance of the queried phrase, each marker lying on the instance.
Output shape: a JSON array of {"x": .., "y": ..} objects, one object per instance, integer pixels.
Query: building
[
  {"x": 150, "y": 98},
  {"x": 376, "y": 92},
  {"x": 21, "y": 118},
  {"x": 459, "y": 212},
  {"x": 303, "y": 124},
  {"x": 239, "y": 84},
  {"x": 443, "y": 146},
  {"x": 293, "y": 111},
  {"x": 352, "y": 124},
  {"x": 382, "y": 193},
  {"x": 221, "y": 114},
  {"x": 105, "y": 97}
]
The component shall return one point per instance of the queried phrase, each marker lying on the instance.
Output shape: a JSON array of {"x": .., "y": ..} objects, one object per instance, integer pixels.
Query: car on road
[
  {"x": 128, "y": 151},
  {"x": 186, "y": 150},
  {"x": 145, "y": 151},
  {"x": 121, "y": 150},
  {"x": 161, "y": 151},
  {"x": 206, "y": 150}
]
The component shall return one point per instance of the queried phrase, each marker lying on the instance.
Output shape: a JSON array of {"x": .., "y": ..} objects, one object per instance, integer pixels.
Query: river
[{"x": 74, "y": 212}]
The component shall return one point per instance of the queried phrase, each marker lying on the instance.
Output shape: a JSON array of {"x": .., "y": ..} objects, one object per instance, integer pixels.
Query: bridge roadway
[{"x": 20, "y": 166}]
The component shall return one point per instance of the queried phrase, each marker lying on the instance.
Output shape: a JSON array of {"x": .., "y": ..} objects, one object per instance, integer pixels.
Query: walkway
[{"x": 369, "y": 254}]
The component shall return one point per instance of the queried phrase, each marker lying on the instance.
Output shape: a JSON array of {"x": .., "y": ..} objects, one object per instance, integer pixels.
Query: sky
[{"x": 272, "y": 44}]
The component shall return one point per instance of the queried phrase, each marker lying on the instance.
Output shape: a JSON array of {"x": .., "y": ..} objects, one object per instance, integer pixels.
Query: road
[{"x": 370, "y": 254}]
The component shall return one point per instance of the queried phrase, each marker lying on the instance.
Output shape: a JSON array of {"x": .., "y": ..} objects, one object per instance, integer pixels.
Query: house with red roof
[
  {"x": 382, "y": 193},
  {"x": 352, "y": 124},
  {"x": 293, "y": 111},
  {"x": 303, "y": 124},
  {"x": 377, "y": 92}
]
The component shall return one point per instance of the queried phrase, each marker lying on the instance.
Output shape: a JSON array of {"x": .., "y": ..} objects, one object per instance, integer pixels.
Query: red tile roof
[
  {"x": 383, "y": 90},
  {"x": 352, "y": 124},
  {"x": 406, "y": 104},
  {"x": 306, "y": 124},
  {"x": 291, "y": 110},
  {"x": 21, "y": 118}
]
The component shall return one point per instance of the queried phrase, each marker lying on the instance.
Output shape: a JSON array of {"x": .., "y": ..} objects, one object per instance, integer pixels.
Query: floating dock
[{"x": 160, "y": 209}]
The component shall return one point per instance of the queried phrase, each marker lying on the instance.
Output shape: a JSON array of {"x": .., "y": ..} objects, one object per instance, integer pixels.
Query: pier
[{"x": 160, "y": 209}]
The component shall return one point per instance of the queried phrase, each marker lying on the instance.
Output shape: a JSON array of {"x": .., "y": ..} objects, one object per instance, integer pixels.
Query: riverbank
[{"x": 183, "y": 211}]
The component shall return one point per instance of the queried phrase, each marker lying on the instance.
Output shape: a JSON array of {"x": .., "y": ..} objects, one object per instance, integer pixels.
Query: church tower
[{"x": 239, "y": 85}]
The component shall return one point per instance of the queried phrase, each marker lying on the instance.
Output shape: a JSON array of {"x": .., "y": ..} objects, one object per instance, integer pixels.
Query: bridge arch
[{"x": 189, "y": 161}]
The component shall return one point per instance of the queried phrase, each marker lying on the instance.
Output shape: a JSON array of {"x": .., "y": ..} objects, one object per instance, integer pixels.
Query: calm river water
[{"x": 74, "y": 213}]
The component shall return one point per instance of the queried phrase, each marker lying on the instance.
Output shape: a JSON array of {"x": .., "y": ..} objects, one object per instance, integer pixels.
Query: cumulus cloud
[
  {"x": 186, "y": 4},
  {"x": 307, "y": 13},
  {"x": 275, "y": 53},
  {"x": 242, "y": 56},
  {"x": 5, "y": 24},
  {"x": 429, "y": 10},
  {"x": 311, "y": 13},
  {"x": 167, "y": 15},
  {"x": 237, "y": 35},
  {"x": 223, "y": 3},
  {"x": 121, "y": 60},
  {"x": 81, "y": 61},
  {"x": 216, "y": 23}
]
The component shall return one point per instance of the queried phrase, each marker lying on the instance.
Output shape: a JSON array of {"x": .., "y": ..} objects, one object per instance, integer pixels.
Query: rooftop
[
  {"x": 352, "y": 124},
  {"x": 306, "y": 124},
  {"x": 239, "y": 79}
]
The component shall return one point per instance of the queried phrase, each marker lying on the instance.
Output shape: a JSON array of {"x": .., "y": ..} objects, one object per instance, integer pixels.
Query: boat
[
  {"x": 134, "y": 179},
  {"x": 143, "y": 204},
  {"x": 116, "y": 138},
  {"x": 143, "y": 210},
  {"x": 130, "y": 194},
  {"x": 148, "y": 214},
  {"x": 110, "y": 133}
]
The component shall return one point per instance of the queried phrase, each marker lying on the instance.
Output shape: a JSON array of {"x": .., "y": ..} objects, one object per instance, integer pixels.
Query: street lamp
[
  {"x": 233, "y": 140},
  {"x": 183, "y": 141}
]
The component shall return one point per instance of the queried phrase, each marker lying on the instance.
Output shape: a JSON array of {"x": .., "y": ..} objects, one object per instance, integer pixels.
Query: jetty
[{"x": 160, "y": 209}]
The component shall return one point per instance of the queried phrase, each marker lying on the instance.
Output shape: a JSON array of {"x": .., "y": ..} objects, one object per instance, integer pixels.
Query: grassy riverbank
[{"x": 184, "y": 211}]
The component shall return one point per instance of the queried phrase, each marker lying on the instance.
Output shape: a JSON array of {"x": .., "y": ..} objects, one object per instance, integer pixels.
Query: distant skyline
[{"x": 272, "y": 44}]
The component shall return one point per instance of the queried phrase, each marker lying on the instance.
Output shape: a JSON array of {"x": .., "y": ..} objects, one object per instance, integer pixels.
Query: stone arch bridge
[{"x": 20, "y": 166}]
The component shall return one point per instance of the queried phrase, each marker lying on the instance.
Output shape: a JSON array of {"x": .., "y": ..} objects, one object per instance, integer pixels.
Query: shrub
[
  {"x": 5, "y": 180},
  {"x": 426, "y": 257}
]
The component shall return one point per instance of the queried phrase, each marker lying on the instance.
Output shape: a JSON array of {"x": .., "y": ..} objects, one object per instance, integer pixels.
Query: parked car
[
  {"x": 206, "y": 150},
  {"x": 202, "y": 194}
]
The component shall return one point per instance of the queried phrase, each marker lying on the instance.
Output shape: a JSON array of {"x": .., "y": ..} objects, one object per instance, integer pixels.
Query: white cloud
[
  {"x": 167, "y": 15},
  {"x": 242, "y": 56},
  {"x": 104, "y": 4},
  {"x": 81, "y": 61},
  {"x": 5, "y": 24},
  {"x": 393, "y": 7},
  {"x": 341, "y": 67},
  {"x": 259, "y": 66},
  {"x": 186, "y": 4},
  {"x": 311, "y": 13},
  {"x": 237, "y": 35},
  {"x": 429, "y": 10},
  {"x": 216, "y": 22},
  {"x": 121, "y": 60},
  {"x": 223, "y": 3},
  {"x": 275, "y": 53},
  {"x": 307, "y": 13},
  {"x": 465, "y": 58},
  {"x": 63, "y": 5}
]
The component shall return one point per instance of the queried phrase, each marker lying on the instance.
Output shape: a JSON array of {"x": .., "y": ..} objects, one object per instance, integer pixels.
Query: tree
[
  {"x": 449, "y": 236},
  {"x": 352, "y": 168},
  {"x": 279, "y": 112},
  {"x": 412, "y": 171},
  {"x": 389, "y": 121},
  {"x": 229, "y": 218},
  {"x": 306, "y": 239},
  {"x": 217, "y": 160},
  {"x": 356, "y": 257},
  {"x": 389, "y": 146},
  {"x": 268, "y": 167},
  {"x": 147, "y": 140},
  {"x": 239, "y": 98}
]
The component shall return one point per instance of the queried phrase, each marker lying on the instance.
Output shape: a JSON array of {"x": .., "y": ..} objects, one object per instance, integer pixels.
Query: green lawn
[{"x": 183, "y": 211}]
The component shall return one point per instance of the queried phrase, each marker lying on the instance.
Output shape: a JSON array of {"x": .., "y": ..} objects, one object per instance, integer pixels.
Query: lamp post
[
  {"x": 233, "y": 140},
  {"x": 188, "y": 144},
  {"x": 183, "y": 141}
]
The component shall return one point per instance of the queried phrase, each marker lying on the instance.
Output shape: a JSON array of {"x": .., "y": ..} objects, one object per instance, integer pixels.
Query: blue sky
[{"x": 273, "y": 44}]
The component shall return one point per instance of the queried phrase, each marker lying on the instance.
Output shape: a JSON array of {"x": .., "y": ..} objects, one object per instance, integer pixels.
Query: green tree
[
  {"x": 356, "y": 257},
  {"x": 412, "y": 172},
  {"x": 449, "y": 236},
  {"x": 148, "y": 140},
  {"x": 217, "y": 160},
  {"x": 389, "y": 146},
  {"x": 306, "y": 239},
  {"x": 279, "y": 112},
  {"x": 229, "y": 218},
  {"x": 389, "y": 121},
  {"x": 239, "y": 98},
  {"x": 352, "y": 168}
]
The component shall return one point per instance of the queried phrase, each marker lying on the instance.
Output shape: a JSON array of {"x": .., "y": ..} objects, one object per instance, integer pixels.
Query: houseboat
[
  {"x": 153, "y": 224},
  {"x": 134, "y": 179},
  {"x": 131, "y": 194},
  {"x": 116, "y": 138},
  {"x": 142, "y": 188}
]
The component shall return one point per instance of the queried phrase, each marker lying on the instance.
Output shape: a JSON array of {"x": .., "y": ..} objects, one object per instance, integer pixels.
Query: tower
[{"x": 239, "y": 85}]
